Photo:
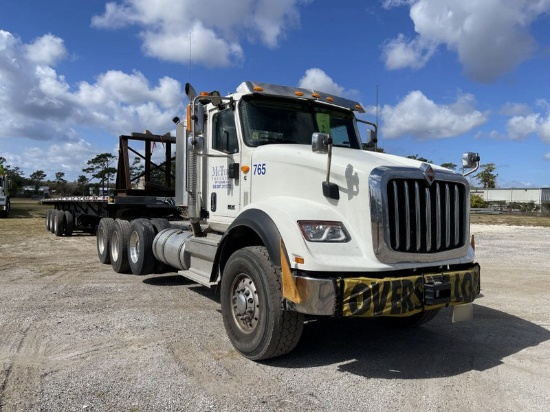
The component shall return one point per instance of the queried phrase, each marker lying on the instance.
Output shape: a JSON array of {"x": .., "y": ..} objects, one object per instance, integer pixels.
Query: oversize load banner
[{"x": 403, "y": 296}]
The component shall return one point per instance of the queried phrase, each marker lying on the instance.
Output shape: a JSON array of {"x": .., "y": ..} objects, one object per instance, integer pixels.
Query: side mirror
[
  {"x": 198, "y": 118},
  {"x": 320, "y": 142},
  {"x": 372, "y": 139},
  {"x": 470, "y": 160}
]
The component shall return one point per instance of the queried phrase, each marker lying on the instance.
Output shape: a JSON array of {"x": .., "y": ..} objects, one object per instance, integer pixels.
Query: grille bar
[{"x": 426, "y": 219}]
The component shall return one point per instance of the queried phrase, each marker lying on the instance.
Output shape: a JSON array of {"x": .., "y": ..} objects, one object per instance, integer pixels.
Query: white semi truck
[
  {"x": 286, "y": 214},
  {"x": 4, "y": 194}
]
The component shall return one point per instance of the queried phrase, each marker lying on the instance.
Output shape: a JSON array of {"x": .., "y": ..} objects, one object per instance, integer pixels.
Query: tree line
[{"x": 99, "y": 173}]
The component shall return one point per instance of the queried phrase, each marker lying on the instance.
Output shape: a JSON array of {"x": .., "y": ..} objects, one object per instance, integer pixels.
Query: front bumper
[{"x": 389, "y": 296}]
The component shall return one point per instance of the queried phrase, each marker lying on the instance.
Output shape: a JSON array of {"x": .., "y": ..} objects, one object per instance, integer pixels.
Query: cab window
[{"x": 225, "y": 133}]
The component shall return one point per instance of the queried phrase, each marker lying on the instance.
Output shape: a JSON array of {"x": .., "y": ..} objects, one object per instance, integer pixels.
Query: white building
[{"x": 540, "y": 197}]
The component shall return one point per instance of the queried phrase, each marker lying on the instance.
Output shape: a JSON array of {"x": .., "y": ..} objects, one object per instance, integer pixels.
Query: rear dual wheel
[
  {"x": 103, "y": 239},
  {"x": 119, "y": 246},
  {"x": 140, "y": 247}
]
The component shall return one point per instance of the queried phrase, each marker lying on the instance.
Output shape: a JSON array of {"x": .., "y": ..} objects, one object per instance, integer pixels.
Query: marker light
[
  {"x": 258, "y": 89},
  {"x": 316, "y": 95},
  {"x": 189, "y": 118},
  {"x": 299, "y": 259},
  {"x": 330, "y": 99},
  {"x": 245, "y": 169},
  {"x": 205, "y": 94},
  {"x": 298, "y": 93},
  {"x": 323, "y": 231}
]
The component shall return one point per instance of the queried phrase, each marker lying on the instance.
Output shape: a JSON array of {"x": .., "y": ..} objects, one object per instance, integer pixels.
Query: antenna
[{"x": 190, "y": 54}]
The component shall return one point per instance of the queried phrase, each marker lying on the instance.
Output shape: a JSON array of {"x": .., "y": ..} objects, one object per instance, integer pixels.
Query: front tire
[{"x": 253, "y": 316}]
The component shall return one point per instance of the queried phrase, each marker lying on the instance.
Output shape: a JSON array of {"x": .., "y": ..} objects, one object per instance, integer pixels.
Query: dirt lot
[{"x": 76, "y": 336}]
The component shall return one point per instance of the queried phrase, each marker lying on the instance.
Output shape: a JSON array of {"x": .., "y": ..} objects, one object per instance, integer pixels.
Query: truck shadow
[{"x": 367, "y": 348}]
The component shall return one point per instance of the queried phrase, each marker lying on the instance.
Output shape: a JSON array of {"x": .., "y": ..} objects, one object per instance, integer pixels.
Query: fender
[{"x": 252, "y": 227}]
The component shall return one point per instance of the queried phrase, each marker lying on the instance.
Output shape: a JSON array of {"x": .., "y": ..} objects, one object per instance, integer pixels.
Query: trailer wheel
[
  {"x": 59, "y": 223},
  {"x": 69, "y": 223},
  {"x": 415, "y": 320},
  {"x": 159, "y": 225},
  {"x": 140, "y": 247},
  {"x": 103, "y": 239},
  {"x": 52, "y": 220},
  {"x": 48, "y": 214},
  {"x": 253, "y": 316},
  {"x": 49, "y": 219},
  {"x": 119, "y": 246}
]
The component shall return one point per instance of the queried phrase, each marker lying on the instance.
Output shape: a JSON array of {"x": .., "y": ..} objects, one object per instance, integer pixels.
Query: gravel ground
[{"x": 76, "y": 336}]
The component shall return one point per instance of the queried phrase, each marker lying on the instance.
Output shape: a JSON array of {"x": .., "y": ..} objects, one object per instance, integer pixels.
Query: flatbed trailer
[{"x": 136, "y": 196}]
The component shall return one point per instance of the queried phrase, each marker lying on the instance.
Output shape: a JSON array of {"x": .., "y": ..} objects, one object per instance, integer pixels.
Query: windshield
[{"x": 273, "y": 120}]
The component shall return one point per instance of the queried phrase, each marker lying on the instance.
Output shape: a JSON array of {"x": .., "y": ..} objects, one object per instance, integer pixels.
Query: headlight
[{"x": 322, "y": 231}]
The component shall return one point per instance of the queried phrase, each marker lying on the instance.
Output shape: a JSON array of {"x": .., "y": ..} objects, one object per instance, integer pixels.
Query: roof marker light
[
  {"x": 330, "y": 99},
  {"x": 358, "y": 107},
  {"x": 316, "y": 95},
  {"x": 258, "y": 89},
  {"x": 297, "y": 93}
]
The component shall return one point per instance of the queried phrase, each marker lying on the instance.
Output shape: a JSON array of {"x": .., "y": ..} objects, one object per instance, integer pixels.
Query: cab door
[{"x": 222, "y": 164}]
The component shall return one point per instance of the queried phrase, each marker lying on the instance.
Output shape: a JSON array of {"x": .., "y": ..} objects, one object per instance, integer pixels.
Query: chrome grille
[
  {"x": 413, "y": 221},
  {"x": 426, "y": 219}
]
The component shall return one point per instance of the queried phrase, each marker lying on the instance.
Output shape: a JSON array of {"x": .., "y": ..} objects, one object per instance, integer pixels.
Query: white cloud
[
  {"x": 418, "y": 116},
  {"x": 519, "y": 127},
  {"x": 400, "y": 53},
  {"x": 490, "y": 37},
  {"x": 37, "y": 103},
  {"x": 317, "y": 79},
  {"x": 47, "y": 50},
  {"x": 214, "y": 28}
]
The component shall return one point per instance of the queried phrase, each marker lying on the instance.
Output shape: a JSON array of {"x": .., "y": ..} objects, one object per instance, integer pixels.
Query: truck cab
[{"x": 289, "y": 216}]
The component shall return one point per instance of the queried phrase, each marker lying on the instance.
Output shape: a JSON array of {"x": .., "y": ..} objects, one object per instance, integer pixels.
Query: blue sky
[{"x": 451, "y": 76}]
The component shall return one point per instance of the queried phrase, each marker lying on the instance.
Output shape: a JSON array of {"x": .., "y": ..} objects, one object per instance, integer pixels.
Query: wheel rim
[
  {"x": 245, "y": 303},
  {"x": 114, "y": 246},
  {"x": 102, "y": 239},
  {"x": 133, "y": 247}
]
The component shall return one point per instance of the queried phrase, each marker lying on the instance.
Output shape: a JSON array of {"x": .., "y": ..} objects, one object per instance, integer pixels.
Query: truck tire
[
  {"x": 103, "y": 239},
  {"x": 159, "y": 225},
  {"x": 49, "y": 219},
  {"x": 59, "y": 222},
  {"x": 69, "y": 223},
  {"x": 119, "y": 246},
  {"x": 51, "y": 222},
  {"x": 253, "y": 316},
  {"x": 140, "y": 247},
  {"x": 413, "y": 321}
]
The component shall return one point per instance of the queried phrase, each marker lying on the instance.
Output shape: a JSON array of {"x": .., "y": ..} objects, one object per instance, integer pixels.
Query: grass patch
[
  {"x": 27, "y": 208},
  {"x": 511, "y": 220}
]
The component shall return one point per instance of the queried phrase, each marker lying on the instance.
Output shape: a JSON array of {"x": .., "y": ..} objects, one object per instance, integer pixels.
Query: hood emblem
[{"x": 428, "y": 173}]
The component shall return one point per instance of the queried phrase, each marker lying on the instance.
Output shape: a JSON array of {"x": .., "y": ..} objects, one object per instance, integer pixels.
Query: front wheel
[{"x": 253, "y": 316}]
